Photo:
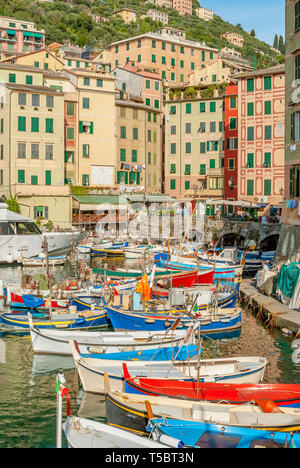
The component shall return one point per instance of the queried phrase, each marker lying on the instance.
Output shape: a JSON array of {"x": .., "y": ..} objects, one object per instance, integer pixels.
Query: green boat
[{"x": 133, "y": 274}]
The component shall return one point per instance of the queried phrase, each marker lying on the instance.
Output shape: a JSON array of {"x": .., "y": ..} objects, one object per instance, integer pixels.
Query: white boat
[
  {"x": 57, "y": 341},
  {"x": 42, "y": 262},
  {"x": 86, "y": 433},
  {"x": 21, "y": 238},
  {"x": 236, "y": 370}
]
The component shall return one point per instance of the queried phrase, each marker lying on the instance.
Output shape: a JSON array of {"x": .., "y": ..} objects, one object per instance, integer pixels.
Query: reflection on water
[{"x": 27, "y": 382}]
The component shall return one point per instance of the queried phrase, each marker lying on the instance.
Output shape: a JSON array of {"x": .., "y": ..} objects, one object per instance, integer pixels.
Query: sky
[{"x": 266, "y": 17}]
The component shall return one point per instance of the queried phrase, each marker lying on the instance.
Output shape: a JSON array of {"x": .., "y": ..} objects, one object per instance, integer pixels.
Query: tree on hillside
[
  {"x": 275, "y": 44},
  {"x": 281, "y": 45}
]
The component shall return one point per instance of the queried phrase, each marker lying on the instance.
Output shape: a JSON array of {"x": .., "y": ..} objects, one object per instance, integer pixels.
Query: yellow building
[
  {"x": 42, "y": 59},
  {"x": 127, "y": 15},
  {"x": 139, "y": 147},
  {"x": 32, "y": 144},
  {"x": 219, "y": 71}
]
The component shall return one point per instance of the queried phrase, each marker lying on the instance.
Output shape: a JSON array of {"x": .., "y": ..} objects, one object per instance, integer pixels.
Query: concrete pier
[{"x": 271, "y": 311}]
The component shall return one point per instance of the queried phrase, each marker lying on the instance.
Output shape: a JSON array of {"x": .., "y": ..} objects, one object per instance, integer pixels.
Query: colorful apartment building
[
  {"x": 204, "y": 13},
  {"x": 128, "y": 16},
  {"x": 18, "y": 37},
  {"x": 32, "y": 145},
  {"x": 261, "y": 124},
  {"x": 219, "y": 71},
  {"x": 139, "y": 84},
  {"x": 234, "y": 38},
  {"x": 291, "y": 211},
  {"x": 139, "y": 147},
  {"x": 183, "y": 7},
  {"x": 231, "y": 161},
  {"x": 171, "y": 56},
  {"x": 43, "y": 59},
  {"x": 157, "y": 15},
  {"x": 162, "y": 3},
  {"x": 194, "y": 147}
]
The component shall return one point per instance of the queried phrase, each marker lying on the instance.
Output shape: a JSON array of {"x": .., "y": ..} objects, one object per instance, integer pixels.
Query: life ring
[
  {"x": 296, "y": 356},
  {"x": 115, "y": 283}
]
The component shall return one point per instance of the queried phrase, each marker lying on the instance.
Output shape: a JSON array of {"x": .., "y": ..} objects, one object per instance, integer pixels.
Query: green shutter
[
  {"x": 34, "y": 124},
  {"x": 202, "y": 147},
  {"x": 49, "y": 125},
  {"x": 268, "y": 107},
  {"x": 267, "y": 161},
  {"x": 172, "y": 184},
  {"x": 250, "y": 109},
  {"x": 267, "y": 187},
  {"x": 212, "y": 163},
  {"x": 91, "y": 128},
  {"x": 268, "y": 132},
  {"x": 48, "y": 177},
  {"x": 22, "y": 124},
  {"x": 212, "y": 107},
  {"x": 122, "y": 154},
  {"x": 202, "y": 106},
  {"x": 250, "y": 85},
  {"x": 250, "y": 133},
  {"x": 267, "y": 83},
  {"x": 250, "y": 160},
  {"x": 134, "y": 155},
  {"x": 21, "y": 176},
  {"x": 250, "y": 187},
  {"x": 34, "y": 180},
  {"x": 80, "y": 126}
]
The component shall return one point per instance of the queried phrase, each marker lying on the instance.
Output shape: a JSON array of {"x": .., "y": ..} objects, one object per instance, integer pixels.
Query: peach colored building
[
  {"x": 139, "y": 84},
  {"x": 157, "y": 15},
  {"x": 171, "y": 56},
  {"x": 261, "y": 126},
  {"x": 184, "y": 7},
  {"x": 234, "y": 38}
]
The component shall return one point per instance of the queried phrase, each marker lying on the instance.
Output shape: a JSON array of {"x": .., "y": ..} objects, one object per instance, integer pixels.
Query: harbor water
[{"x": 27, "y": 382}]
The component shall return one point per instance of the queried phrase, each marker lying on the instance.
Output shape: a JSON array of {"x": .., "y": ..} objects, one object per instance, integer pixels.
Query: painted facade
[
  {"x": 18, "y": 36},
  {"x": 231, "y": 144},
  {"x": 261, "y": 123}
]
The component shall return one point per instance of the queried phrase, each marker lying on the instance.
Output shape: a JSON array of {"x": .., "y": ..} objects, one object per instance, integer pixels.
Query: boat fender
[
  {"x": 296, "y": 356},
  {"x": 167, "y": 324},
  {"x": 286, "y": 331},
  {"x": 149, "y": 320},
  {"x": 295, "y": 344},
  {"x": 170, "y": 441},
  {"x": 80, "y": 321}
]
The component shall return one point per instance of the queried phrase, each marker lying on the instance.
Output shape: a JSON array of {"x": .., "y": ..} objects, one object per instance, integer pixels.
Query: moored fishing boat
[
  {"x": 46, "y": 341},
  {"x": 241, "y": 369},
  {"x": 208, "y": 435},
  {"x": 129, "y": 411}
]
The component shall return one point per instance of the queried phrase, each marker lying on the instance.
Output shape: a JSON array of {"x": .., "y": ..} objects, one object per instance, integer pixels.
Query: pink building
[
  {"x": 19, "y": 37},
  {"x": 261, "y": 123}
]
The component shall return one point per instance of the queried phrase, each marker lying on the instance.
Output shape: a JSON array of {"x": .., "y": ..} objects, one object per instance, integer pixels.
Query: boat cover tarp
[
  {"x": 32, "y": 302},
  {"x": 288, "y": 285}
]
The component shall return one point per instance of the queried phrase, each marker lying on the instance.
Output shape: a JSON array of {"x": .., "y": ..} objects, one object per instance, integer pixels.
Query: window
[
  {"x": 212, "y": 163},
  {"x": 156, "y": 103},
  {"x": 172, "y": 184},
  {"x": 188, "y": 128},
  {"x": 181, "y": 63},
  {"x": 148, "y": 103},
  {"x": 267, "y": 83},
  {"x": 22, "y": 99},
  {"x": 187, "y": 170},
  {"x": 267, "y": 160},
  {"x": 233, "y": 103},
  {"x": 12, "y": 78},
  {"x": 36, "y": 64},
  {"x": 187, "y": 185},
  {"x": 22, "y": 124},
  {"x": 153, "y": 44},
  {"x": 212, "y": 107},
  {"x": 70, "y": 108},
  {"x": 139, "y": 43},
  {"x": 85, "y": 151},
  {"x": 268, "y": 107},
  {"x": 250, "y": 187},
  {"x": 173, "y": 49},
  {"x": 70, "y": 133},
  {"x": 149, "y": 135},
  {"x": 1, "y": 152},
  {"x": 173, "y": 130},
  {"x": 49, "y": 152},
  {"x": 163, "y": 46},
  {"x": 232, "y": 123},
  {"x": 295, "y": 126},
  {"x": 295, "y": 181},
  {"x": 173, "y": 169},
  {"x": 21, "y": 150},
  {"x": 99, "y": 83},
  {"x": 149, "y": 158},
  {"x": 135, "y": 114},
  {"x": 231, "y": 164},
  {"x": 153, "y": 58},
  {"x": 86, "y": 127},
  {"x": 134, "y": 155},
  {"x": 202, "y": 107},
  {"x": 147, "y": 84},
  {"x": 188, "y": 148},
  {"x": 250, "y": 160},
  {"x": 172, "y": 62},
  {"x": 250, "y": 133},
  {"x": 69, "y": 157},
  {"x": 250, "y": 85},
  {"x": 212, "y": 127},
  {"x": 123, "y": 132},
  {"x": 49, "y": 125},
  {"x": 86, "y": 81},
  {"x": 297, "y": 16},
  {"x": 202, "y": 147},
  {"x": 35, "y": 151},
  {"x": 21, "y": 176},
  {"x": 34, "y": 180},
  {"x": 122, "y": 154},
  {"x": 250, "y": 109},
  {"x": 267, "y": 187},
  {"x": 202, "y": 127},
  {"x": 268, "y": 132},
  {"x": 188, "y": 108},
  {"x": 35, "y": 124},
  {"x": 202, "y": 169},
  {"x": 1, "y": 177},
  {"x": 172, "y": 76},
  {"x": 35, "y": 100},
  {"x": 135, "y": 132},
  {"x": 85, "y": 103},
  {"x": 173, "y": 148},
  {"x": 173, "y": 110},
  {"x": 163, "y": 60},
  {"x": 85, "y": 179}
]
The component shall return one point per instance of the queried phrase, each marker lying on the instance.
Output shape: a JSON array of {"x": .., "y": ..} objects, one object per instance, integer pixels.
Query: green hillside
[{"x": 71, "y": 22}]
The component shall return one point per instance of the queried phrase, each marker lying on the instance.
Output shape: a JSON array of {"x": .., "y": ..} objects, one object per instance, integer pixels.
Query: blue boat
[
  {"x": 56, "y": 321},
  {"x": 180, "y": 433},
  {"x": 177, "y": 353},
  {"x": 222, "y": 271},
  {"x": 87, "y": 303},
  {"x": 157, "y": 321},
  {"x": 114, "y": 250}
]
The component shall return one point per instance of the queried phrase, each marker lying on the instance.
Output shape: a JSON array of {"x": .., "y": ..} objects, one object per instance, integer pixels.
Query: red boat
[
  {"x": 268, "y": 396},
  {"x": 18, "y": 299},
  {"x": 183, "y": 280}
]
